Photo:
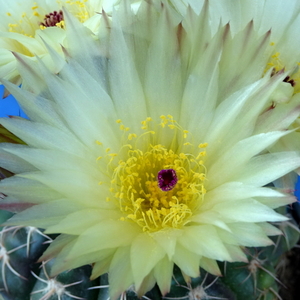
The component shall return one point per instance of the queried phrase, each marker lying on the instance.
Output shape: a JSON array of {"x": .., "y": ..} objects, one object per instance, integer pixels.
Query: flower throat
[{"x": 154, "y": 185}]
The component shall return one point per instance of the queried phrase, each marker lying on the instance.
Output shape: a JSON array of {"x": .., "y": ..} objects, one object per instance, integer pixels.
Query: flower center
[
  {"x": 157, "y": 201},
  {"x": 276, "y": 63},
  {"x": 53, "y": 19},
  {"x": 154, "y": 185},
  {"x": 31, "y": 18},
  {"x": 293, "y": 79},
  {"x": 167, "y": 179}
]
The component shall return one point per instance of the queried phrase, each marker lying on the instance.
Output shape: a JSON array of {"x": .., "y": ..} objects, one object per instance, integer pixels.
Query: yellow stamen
[{"x": 134, "y": 182}]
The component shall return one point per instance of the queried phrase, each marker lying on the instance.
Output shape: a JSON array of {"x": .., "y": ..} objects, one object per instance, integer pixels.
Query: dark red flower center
[
  {"x": 53, "y": 18},
  {"x": 167, "y": 179}
]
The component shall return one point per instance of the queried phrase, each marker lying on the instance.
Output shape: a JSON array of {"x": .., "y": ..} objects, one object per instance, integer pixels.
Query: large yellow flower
[
  {"x": 26, "y": 25},
  {"x": 144, "y": 151}
]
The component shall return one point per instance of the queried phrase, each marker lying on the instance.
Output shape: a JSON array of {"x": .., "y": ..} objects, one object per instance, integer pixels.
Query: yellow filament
[{"x": 134, "y": 170}]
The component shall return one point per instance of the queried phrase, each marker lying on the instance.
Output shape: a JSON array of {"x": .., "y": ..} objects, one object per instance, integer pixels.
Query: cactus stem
[
  {"x": 254, "y": 264},
  {"x": 30, "y": 230},
  {"x": 264, "y": 293},
  {"x": 4, "y": 256},
  {"x": 283, "y": 227},
  {"x": 272, "y": 275},
  {"x": 198, "y": 293},
  {"x": 54, "y": 287}
]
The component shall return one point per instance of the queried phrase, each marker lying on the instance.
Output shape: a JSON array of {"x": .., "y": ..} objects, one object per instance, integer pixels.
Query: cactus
[{"x": 24, "y": 277}]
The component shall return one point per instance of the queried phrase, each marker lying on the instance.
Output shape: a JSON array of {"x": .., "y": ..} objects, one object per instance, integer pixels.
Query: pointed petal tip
[
  {"x": 15, "y": 207},
  {"x": 6, "y": 93},
  {"x": 15, "y": 54}
]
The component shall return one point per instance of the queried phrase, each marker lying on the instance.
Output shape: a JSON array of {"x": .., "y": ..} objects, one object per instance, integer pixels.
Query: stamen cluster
[
  {"x": 159, "y": 186},
  {"x": 53, "y": 19}
]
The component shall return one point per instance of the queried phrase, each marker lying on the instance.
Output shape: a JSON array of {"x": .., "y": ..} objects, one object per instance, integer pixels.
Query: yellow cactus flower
[
  {"x": 148, "y": 149},
  {"x": 26, "y": 25}
]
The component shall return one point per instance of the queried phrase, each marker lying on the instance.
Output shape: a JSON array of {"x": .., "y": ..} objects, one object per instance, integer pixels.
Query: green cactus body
[{"x": 73, "y": 284}]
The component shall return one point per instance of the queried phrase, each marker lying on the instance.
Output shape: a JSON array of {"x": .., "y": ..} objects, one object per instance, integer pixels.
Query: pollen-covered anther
[
  {"x": 167, "y": 179},
  {"x": 53, "y": 19}
]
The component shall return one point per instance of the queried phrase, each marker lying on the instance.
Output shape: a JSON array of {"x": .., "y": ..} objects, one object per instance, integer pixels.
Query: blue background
[
  {"x": 9, "y": 106},
  {"x": 297, "y": 189}
]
